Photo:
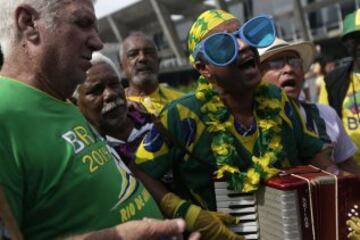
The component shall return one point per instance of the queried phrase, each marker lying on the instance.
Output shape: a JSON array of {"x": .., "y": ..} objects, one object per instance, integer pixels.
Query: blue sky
[{"x": 105, "y": 7}]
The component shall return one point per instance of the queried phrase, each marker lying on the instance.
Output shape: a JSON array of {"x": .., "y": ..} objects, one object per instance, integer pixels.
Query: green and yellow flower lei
[{"x": 268, "y": 120}]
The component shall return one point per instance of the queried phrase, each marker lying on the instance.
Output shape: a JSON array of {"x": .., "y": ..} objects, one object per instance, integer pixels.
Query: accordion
[{"x": 302, "y": 203}]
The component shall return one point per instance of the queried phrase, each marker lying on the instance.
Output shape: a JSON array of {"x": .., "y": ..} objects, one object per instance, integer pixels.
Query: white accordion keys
[
  {"x": 243, "y": 206},
  {"x": 268, "y": 214}
]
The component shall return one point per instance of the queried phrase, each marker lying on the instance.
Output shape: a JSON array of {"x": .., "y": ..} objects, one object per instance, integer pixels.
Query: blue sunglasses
[{"x": 222, "y": 49}]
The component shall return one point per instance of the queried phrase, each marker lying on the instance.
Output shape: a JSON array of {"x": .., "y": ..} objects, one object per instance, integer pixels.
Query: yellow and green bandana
[{"x": 202, "y": 25}]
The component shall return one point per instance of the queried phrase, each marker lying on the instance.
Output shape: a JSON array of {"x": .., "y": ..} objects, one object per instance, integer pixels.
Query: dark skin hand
[
  {"x": 322, "y": 161},
  {"x": 350, "y": 166}
]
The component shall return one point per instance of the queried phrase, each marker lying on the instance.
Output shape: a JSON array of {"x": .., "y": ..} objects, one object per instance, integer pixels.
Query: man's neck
[
  {"x": 145, "y": 90},
  {"x": 123, "y": 131},
  {"x": 21, "y": 70},
  {"x": 240, "y": 105},
  {"x": 18, "y": 70}
]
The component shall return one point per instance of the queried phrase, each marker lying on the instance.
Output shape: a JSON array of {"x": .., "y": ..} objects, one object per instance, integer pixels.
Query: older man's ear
[{"x": 27, "y": 22}]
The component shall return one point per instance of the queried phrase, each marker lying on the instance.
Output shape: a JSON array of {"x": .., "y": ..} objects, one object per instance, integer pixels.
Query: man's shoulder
[
  {"x": 322, "y": 108},
  {"x": 188, "y": 100},
  {"x": 185, "y": 107},
  {"x": 13, "y": 94},
  {"x": 343, "y": 67},
  {"x": 325, "y": 108},
  {"x": 270, "y": 89},
  {"x": 6, "y": 84},
  {"x": 327, "y": 112},
  {"x": 170, "y": 92}
]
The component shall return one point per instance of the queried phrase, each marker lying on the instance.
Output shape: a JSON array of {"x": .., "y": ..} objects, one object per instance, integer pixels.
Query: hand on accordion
[
  {"x": 210, "y": 224},
  {"x": 354, "y": 224}
]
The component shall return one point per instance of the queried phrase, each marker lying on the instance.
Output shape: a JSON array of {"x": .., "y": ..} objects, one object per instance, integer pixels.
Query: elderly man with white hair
[
  {"x": 58, "y": 177},
  {"x": 101, "y": 98}
]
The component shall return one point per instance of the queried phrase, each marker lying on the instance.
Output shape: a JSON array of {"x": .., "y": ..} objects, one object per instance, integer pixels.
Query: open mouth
[
  {"x": 288, "y": 83},
  {"x": 248, "y": 63}
]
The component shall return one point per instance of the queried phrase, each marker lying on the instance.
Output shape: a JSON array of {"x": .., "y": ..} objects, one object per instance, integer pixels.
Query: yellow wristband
[{"x": 191, "y": 216}]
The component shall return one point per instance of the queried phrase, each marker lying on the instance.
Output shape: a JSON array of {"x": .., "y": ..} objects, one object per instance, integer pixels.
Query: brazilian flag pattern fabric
[{"x": 193, "y": 175}]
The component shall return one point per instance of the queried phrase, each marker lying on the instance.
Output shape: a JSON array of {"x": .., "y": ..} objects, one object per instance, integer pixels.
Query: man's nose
[
  {"x": 109, "y": 94},
  {"x": 287, "y": 67},
  {"x": 242, "y": 45},
  {"x": 95, "y": 42},
  {"x": 142, "y": 56}
]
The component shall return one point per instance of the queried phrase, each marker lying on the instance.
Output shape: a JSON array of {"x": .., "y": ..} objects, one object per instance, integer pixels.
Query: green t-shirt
[
  {"x": 60, "y": 177},
  {"x": 193, "y": 174}
]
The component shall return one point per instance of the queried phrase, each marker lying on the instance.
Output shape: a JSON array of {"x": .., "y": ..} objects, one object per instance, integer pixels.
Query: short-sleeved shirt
[
  {"x": 156, "y": 101},
  {"x": 323, "y": 120},
  {"x": 60, "y": 177},
  {"x": 193, "y": 174},
  {"x": 350, "y": 113}
]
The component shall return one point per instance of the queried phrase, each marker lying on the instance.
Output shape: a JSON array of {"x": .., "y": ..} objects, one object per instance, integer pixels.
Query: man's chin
[
  {"x": 109, "y": 127},
  {"x": 79, "y": 78},
  {"x": 143, "y": 79},
  {"x": 112, "y": 123}
]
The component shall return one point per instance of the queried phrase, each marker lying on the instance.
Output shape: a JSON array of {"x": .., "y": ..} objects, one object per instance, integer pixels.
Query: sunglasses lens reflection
[
  {"x": 220, "y": 48},
  {"x": 259, "y": 32}
]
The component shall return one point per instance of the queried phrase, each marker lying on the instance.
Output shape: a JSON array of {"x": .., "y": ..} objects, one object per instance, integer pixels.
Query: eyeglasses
[
  {"x": 279, "y": 63},
  {"x": 222, "y": 49}
]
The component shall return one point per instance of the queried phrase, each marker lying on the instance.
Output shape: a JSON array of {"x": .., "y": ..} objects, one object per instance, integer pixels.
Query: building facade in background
[{"x": 168, "y": 22}]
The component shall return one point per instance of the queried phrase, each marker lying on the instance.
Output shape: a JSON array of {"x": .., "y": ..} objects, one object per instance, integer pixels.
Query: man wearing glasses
[
  {"x": 233, "y": 128},
  {"x": 284, "y": 64},
  {"x": 58, "y": 178}
]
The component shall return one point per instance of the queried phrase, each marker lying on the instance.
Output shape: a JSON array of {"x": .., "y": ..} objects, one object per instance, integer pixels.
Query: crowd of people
[{"x": 82, "y": 157}]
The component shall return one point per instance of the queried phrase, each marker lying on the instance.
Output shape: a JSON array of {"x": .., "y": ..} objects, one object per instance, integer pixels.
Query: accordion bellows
[{"x": 303, "y": 203}]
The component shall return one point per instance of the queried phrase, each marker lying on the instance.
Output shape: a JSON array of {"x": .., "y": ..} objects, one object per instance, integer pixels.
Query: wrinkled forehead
[
  {"x": 76, "y": 7},
  {"x": 100, "y": 72},
  {"x": 138, "y": 42}
]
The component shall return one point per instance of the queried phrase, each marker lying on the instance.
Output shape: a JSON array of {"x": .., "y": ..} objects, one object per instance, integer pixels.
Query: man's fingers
[
  {"x": 195, "y": 236},
  {"x": 173, "y": 227},
  {"x": 226, "y": 218}
]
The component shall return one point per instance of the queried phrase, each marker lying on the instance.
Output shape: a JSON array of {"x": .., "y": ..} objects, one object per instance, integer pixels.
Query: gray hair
[
  {"x": 98, "y": 58},
  {"x": 137, "y": 34},
  {"x": 47, "y": 9}
]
